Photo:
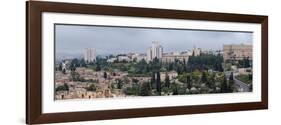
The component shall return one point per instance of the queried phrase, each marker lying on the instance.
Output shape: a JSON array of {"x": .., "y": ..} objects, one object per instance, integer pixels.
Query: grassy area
[{"x": 245, "y": 78}]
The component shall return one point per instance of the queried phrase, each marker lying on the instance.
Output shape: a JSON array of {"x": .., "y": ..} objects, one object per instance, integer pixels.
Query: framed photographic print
[{"x": 93, "y": 62}]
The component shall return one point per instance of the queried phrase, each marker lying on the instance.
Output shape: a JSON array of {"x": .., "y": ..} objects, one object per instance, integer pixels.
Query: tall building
[
  {"x": 155, "y": 51},
  {"x": 237, "y": 51},
  {"x": 90, "y": 55},
  {"x": 196, "y": 51},
  {"x": 148, "y": 55}
]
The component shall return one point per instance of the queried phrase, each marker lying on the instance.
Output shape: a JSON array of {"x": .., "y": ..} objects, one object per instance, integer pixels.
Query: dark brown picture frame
[{"x": 34, "y": 10}]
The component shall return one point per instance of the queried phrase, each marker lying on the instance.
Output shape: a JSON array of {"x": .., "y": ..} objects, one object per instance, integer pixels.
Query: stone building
[
  {"x": 237, "y": 52},
  {"x": 172, "y": 57}
]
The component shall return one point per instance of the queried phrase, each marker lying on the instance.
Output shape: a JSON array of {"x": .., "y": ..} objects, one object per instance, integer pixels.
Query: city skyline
[
  {"x": 71, "y": 40},
  {"x": 149, "y": 62}
]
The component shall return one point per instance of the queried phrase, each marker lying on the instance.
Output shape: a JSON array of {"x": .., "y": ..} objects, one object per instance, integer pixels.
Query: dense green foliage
[
  {"x": 76, "y": 77},
  {"x": 244, "y": 63},
  {"x": 205, "y": 62},
  {"x": 63, "y": 87},
  {"x": 92, "y": 87},
  {"x": 245, "y": 78}
]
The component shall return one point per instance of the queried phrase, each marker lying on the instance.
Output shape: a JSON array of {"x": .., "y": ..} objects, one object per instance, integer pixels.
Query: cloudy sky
[{"x": 71, "y": 40}]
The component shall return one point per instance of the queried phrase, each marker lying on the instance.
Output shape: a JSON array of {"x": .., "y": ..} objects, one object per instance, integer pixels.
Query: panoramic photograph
[{"x": 94, "y": 62}]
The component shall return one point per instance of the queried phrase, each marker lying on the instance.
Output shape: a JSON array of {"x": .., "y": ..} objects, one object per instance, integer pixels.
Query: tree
[
  {"x": 75, "y": 76},
  {"x": 175, "y": 92},
  {"x": 126, "y": 80},
  {"x": 179, "y": 69},
  {"x": 111, "y": 56},
  {"x": 119, "y": 83},
  {"x": 60, "y": 67},
  {"x": 92, "y": 87},
  {"x": 144, "y": 91},
  {"x": 66, "y": 87},
  {"x": 224, "y": 85},
  {"x": 230, "y": 86},
  {"x": 72, "y": 67},
  {"x": 83, "y": 63},
  {"x": 153, "y": 80},
  {"x": 135, "y": 80},
  {"x": 158, "y": 83},
  {"x": 246, "y": 62},
  {"x": 189, "y": 81},
  {"x": 250, "y": 77},
  {"x": 185, "y": 66},
  {"x": 193, "y": 54},
  {"x": 63, "y": 71},
  {"x": 98, "y": 68},
  {"x": 175, "y": 88},
  {"x": 141, "y": 67},
  {"x": 181, "y": 91},
  {"x": 105, "y": 75},
  {"x": 204, "y": 62},
  {"x": 63, "y": 87},
  {"x": 170, "y": 66},
  {"x": 74, "y": 63},
  {"x": 134, "y": 90},
  {"x": 211, "y": 81},
  {"x": 167, "y": 80},
  {"x": 218, "y": 67},
  {"x": 230, "y": 83},
  {"x": 204, "y": 77}
]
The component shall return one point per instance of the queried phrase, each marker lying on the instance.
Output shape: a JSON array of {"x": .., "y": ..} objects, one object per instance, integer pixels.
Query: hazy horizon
[{"x": 71, "y": 40}]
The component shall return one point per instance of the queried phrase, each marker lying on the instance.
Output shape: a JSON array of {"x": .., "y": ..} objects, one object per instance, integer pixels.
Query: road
[{"x": 243, "y": 87}]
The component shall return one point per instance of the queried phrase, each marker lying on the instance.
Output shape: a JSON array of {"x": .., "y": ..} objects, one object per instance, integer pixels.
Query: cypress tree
[
  {"x": 188, "y": 81},
  {"x": 104, "y": 75},
  {"x": 158, "y": 83},
  {"x": 167, "y": 80},
  {"x": 153, "y": 80},
  {"x": 230, "y": 83},
  {"x": 224, "y": 85}
]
